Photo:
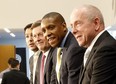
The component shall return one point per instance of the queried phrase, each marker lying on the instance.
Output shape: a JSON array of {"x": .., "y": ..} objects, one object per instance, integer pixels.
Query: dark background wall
[{"x": 21, "y": 52}]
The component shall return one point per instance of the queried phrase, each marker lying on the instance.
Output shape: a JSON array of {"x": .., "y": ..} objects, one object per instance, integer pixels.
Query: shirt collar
[
  {"x": 36, "y": 53},
  {"x": 64, "y": 40},
  {"x": 46, "y": 53},
  {"x": 94, "y": 40}
]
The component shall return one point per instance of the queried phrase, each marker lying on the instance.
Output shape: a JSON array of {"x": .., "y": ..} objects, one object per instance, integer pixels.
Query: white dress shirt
[
  {"x": 46, "y": 55},
  {"x": 87, "y": 52}
]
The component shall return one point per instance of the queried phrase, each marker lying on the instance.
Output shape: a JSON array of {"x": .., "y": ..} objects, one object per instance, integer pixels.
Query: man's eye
[
  {"x": 51, "y": 27},
  {"x": 34, "y": 36},
  {"x": 43, "y": 30},
  {"x": 40, "y": 34},
  {"x": 26, "y": 36},
  {"x": 78, "y": 23}
]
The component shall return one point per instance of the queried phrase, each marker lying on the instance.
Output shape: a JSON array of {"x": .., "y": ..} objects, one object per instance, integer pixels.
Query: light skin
[
  {"x": 84, "y": 28},
  {"x": 29, "y": 40},
  {"x": 53, "y": 30},
  {"x": 39, "y": 39}
]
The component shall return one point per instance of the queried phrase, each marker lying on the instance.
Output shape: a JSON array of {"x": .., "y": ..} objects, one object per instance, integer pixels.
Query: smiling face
[
  {"x": 83, "y": 28},
  {"x": 53, "y": 30},
  {"x": 39, "y": 39}
]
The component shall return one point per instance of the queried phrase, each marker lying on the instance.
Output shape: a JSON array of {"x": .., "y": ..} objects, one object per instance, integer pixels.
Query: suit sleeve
[{"x": 31, "y": 73}]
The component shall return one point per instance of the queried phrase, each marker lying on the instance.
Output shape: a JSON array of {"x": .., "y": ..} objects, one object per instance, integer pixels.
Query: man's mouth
[{"x": 51, "y": 39}]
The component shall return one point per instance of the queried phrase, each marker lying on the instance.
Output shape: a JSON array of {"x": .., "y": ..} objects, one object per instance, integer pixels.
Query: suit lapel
[
  {"x": 62, "y": 60},
  {"x": 37, "y": 77},
  {"x": 49, "y": 58},
  {"x": 47, "y": 61},
  {"x": 39, "y": 62},
  {"x": 31, "y": 64},
  {"x": 87, "y": 62}
]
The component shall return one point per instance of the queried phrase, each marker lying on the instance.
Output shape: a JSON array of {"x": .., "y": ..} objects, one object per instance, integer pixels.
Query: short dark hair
[
  {"x": 13, "y": 62},
  {"x": 56, "y": 16},
  {"x": 28, "y": 26},
  {"x": 36, "y": 24}
]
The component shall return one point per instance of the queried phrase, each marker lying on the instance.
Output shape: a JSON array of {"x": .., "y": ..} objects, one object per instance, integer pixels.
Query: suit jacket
[
  {"x": 48, "y": 67},
  {"x": 100, "y": 67},
  {"x": 72, "y": 59},
  {"x": 15, "y": 77},
  {"x": 37, "y": 77},
  {"x": 31, "y": 69}
]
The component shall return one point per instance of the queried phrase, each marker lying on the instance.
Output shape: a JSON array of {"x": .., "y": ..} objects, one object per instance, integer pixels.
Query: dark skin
[{"x": 53, "y": 30}]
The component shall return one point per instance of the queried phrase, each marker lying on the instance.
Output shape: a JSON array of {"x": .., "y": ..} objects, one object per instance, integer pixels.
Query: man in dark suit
[
  {"x": 100, "y": 57},
  {"x": 45, "y": 48},
  {"x": 55, "y": 30},
  {"x": 32, "y": 61},
  {"x": 14, "y": 76}
]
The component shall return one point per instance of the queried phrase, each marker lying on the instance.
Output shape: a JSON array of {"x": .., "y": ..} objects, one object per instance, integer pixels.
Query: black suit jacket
[
  {"x": 48, "y": 67},
  {"x": 100, "y": 67},
  {"x": 72, "y": 59},
  {"x": 15, "y": 77}
]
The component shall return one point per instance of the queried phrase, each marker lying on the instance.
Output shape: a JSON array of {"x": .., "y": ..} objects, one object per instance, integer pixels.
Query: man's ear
[
  {"x": 64, "y": 27},
  {"x": 97, "y": 23},
  {"x": 18, "y": 66}
]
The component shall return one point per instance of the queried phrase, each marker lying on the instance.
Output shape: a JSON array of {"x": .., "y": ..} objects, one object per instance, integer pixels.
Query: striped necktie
[
  {"x": 42, "y": 69},
  {"x": 58, "y": 63}
]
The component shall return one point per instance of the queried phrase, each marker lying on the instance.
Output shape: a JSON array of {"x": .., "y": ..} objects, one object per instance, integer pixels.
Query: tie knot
[
  {"x": 43, "y": 57},
  {"x": 59, "y": 50}
]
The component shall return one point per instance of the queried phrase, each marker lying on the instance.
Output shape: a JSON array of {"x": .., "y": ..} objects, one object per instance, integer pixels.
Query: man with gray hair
[{"x": 99, "y": 66}]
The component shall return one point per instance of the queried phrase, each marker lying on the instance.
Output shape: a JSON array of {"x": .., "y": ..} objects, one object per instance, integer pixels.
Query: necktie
[
  {"x": 42, "y": 69},
  {"x": 86, "y": 56},
  {"x": 58, "y": 63}
]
